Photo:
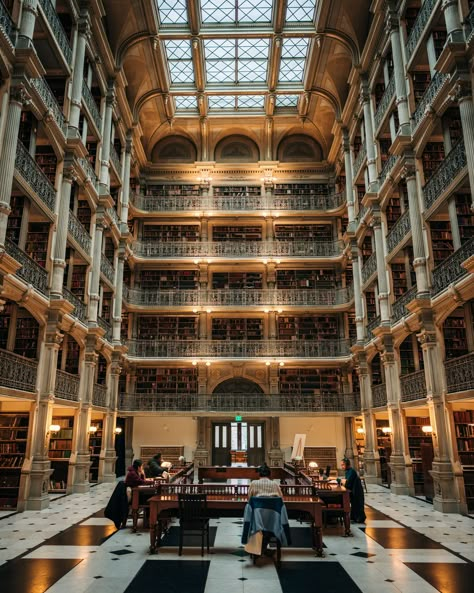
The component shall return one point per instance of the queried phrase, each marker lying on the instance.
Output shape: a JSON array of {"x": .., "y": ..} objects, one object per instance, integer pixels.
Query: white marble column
[
  {"x": 104, "y": 178},
  {"x": 96, "y": 262},
  {"x": 29, "y": 12},
  {"x": 369, "y": 134},
  {"x": 108, "y": 456},
  {"x": 126, "y": 183},
  {"x": 118, "y": 294},
  {"x": 381, "y": 267},
  {"x": 359, "y": 309},
  {"x": 393, "y": 26},
  {"x": 349, "y": 175},
  {"x": 77, "y": 77},
  {"x": 371, "y": 456},
  {"x": 466, "y": 109},
  {"x": 452, "y": 19}
]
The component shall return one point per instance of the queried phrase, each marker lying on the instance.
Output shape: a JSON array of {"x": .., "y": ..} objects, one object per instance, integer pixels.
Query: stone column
[
  {"x": 275, "y": 454},
  {"x": 450, "y": 9},
  {"x": 381, "y": 267},
  {"x": 453, "y": 221},
  {"x": 201, "y": 454},
  {"x": 466, "y": 109},
  {"x": 104, "y": 178},
  {"x": 416, "y": 225},
  {"x": 18, "y": 98},
  {"x": 349, "y": 438},
  {"x": 126, "y": 183},
  {"x": 204, "y": 125},
  {"x": 59, "y": 261},
  {"x": 118, "y": 294},
  {"x": 29, "y": 12},
  {"x": 371, "y": 456},
  {"x": 83, "y": 33},
  {"x": 359, "y": 310},
  {"x": 349, "y": 175},
  {"x": 393, "y": 26},
  {"x": 38, "y": 468},
  {"x": 108, "y": 456},
  {"x": 399, "y": 469},
  {"x": 96, "y": 261},
  {"x": 369, "y": 135}
]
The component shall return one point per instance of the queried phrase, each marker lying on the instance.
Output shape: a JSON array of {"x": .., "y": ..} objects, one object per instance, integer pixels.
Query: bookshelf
[
  {"x": 303, "y": 381},
  {"x": 366, "y": 248},
  {"x": 324, "y": 457},
  {"x": 433, "y": 156},
  {"x": 384, "y": 447},
  {"x": 237, "y": 280},
  {"x": 237, "y": 329},
  {"x": 242, "y": 191},
  {"x": 13, "y": 440},
  {"x": 26, "y": 339},
  {"x": 455, "y": 338},
  {"x": 78, "y": 280},
  {"x": 410, "y": 17},
  {"x": 399, "y": 279},
  {"x": 237, "y": 233},
  {"x": 15, "y": 218},
  {"x": 384, "y": 144},
  {"x": 308, "y": 328},
  {"x": 168, "y": 279},
  {"x": 160, "y": 190},
  {"x": 95, "y": 446},
  {"x": 352, "y": 326},
  {"x": 47, "y": 161},
  {"x": 167, "y": 327},
  {"x": 379, "y": 90},
  {"x": 407, "y": 358},
  {"x": 304, "y": 232},
  {"x": 84, "y": 214},
  {"x": 370, "y": 304},
  {"x": 311, "y": 279},
  {"x": 171, "y": 232},
  {"x": 166, "y": 380},
  {"x": 60, "y": 448},
  {"x": 441, "y": 241},
  {"x": 465, "y": 217},
  {"x": 37, "y": 242},
  {"x": 5, "y": 316},
  {"x": 301, "y": 189},
  {"x": 417, "y": 441},
  {"x": 439, "y": 39},
  {"x": 464, "y": 430},
  {"x": 421, "y": 81},
  {"x": 92, "y": 150},
  {"x": 28, "y": 123}
]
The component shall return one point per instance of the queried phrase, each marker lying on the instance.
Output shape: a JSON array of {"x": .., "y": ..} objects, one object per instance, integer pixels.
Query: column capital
[
  {"x": 84, "y": 27},
  {"x": 408, "y": 167},
  {"x": 392, "y": 23},
  {"x": 364, "y": 89},
  {"x": 346, "y": 146},
  {"x": 19, "y": 94},
  {"x": 462, "y": 90},
  {"x": 427, "y": 338}
]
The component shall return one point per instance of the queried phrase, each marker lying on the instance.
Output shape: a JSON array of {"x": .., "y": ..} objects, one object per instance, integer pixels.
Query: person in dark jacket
[
  {"x": 117, "y": 507},
  {"x": 354, "y": 484},
  {"x": 154, "y": 469},
  {"x": 135, "y": 475}
]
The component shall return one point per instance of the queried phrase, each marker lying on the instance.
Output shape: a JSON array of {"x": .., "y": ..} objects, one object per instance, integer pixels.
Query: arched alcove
[
  {"x": 238, "y": 385},
  {"x": 299, "y": 148},
  {"x": 174, "y": 149},
  {"x": 236, "y": 148}
]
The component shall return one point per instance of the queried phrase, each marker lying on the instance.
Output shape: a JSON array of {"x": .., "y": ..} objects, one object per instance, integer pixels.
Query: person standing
[{"x": 354, "y": 484}]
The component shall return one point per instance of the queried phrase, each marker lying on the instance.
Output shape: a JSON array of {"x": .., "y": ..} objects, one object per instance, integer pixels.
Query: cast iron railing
[
  {"x": 451, "y": 269},
  {"x": 67, "y": 386},
  {"x": 413, "y": 386},
  {"x": 460, "y": 373},
  {"x": 107, "y": 269},
  {"x": 424, "y": 105},
  {"x": 419, "y": 26},
  {"x": 91, "y": 105},
  {"x": 30, "y": 270},
  {"x": 369, "y": 268},
  {"x": 99, "y": 395},
  {"x": 79, "y": 233},
  {"x": 17, "y": 372},
  {"x": 57, "y": 29},
  {"x": 379, "y": 395},
  {"x": 445, "y": 174},
  {"x": 387, "y": 98},
  {"x": 28, "y": 168},
  {"x": 399, "y": 309},
  {"x": 398, "y": 232},
  {"x": 49, "y": 101}
]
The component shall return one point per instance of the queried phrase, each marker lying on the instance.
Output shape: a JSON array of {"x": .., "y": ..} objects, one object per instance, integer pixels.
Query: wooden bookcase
[
  {"x": 455, "y": 338},
  {"x": 60, "y": 449},
  {"x": 464, "y": 428},
  {"x": 370, "y": 304},
  {"x": 433, "y": 156},
  {"x": 26, "y": 339},
  {"x": 301, "y": 189},
  {"x": 407, "y": 359},
  {"x": 304, "y": 381},
  {"x": 237, "y": 329},
  {"x": 84, "y": 214},
  {"x": 441, "y": 241},
  {"x": 92, "y": 150},
  {"x": 78, "y": 280},
  {"x": 47, "y": 161},
  {"x": 164, "y": 190},
  {"x": 5, "y": 317},
  {"x": 166, "y": 380},
  {"x": 168, "y": 279},
  {"x": 27, "y": 122},
  {"x": 171, "y": 454},
  {"x": 242, "y": 191},
  {"x": 399, "y": 279},
  {"x": 366, "y": 248},
  {"x": 439, "y": 39},
  {"x": 237, "y": 233},
  {"x": 379, "y": 89},
  {"x": 421, "y": 81},
  {"x": 236, "y": 280},
  {"x": 15, "y": 218},
  {"x": 13, "y": 440},
  {"x": 410, "y": 17},
  {"x": 416, "y": 440},
  {"x": 166, "y": 327},
  {"x": 95, "y": 446},
  {"x": 37, "y": 241},
  {"x": 465, "y": 217},
  {"x": 308, "y": 328},
  {"x": 311, "y": 279},
  {"x": 384, "y": 447},
  {"x": 304, "y": 232},
  {"x": 171, "y": 232},
  {"x": 324, "y": 457}
]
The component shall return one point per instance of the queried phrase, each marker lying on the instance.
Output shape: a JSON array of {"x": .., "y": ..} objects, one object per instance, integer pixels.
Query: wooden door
[
  {"x": 255, "y": 443},
  {"x": 221, "y": 443}
]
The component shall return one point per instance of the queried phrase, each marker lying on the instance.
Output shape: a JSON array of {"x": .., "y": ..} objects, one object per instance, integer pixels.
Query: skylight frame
[
  {"x": 180, "y": 62},
  {"x": 236, "y": 60},
  {"x": 172, "y": 12},
  {"x": 293, "y": 59},
  {"x": 220, "y": 12},
  {"x": 300, "y": 11}
]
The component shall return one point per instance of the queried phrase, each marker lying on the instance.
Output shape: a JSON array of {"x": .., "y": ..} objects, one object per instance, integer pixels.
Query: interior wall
[
  {"x": 171, "y": 431},
  {"x": 326, "y": 431}
]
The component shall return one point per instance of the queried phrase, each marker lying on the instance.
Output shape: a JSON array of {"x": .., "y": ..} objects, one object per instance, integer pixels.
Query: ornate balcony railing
[
  {"x": 107, "y": 269},
  {"x": 105, "y": 325},
  {"x": 369, "y": 268},
  {"x": 89, "y": 171},
  {"x": 50, "y": 102},
  {"x": 469, "y": 26},
  {"x": 399, "y": 309},
  {"x": 17, "y": 372},
  {"x": 399, "y": 231},
  {"x": 444, "y": 175},
  {"x": 460, "y": 373},
  {"x": 385, "y": 101},
  {"x": 80, "y": 308},
  {"x": 114, "y": 216},
  {"x": 67, "y": 386},
  {"x": 371, "y": 325},
  {"x": 413, "y": 386},
  {"x": 115, "y": 160},
  {"x": 379, "y": 395},
  {"x": 30, "y": 270},
  {"x": 238, "y": 348},
  {"x": 7, "y": 24},
  {"x": 227, "y": 402},
  {"x": 244, "y": 297},
  {"x": 91, "y": 105},
  {"x": 360, "y": 215},
  {"x": 289, "y": 202},
  {"x": 27, "y": 167},
  {"x": 236, "y": 249},
  {"x": 387, "y": 167},
  {"x": 57, "y": 29},
  {"x": 359, "y": 160},
  {"x": 451, "y": 269},
  {"x": 79, "y": 233},
  {"x": 419, "y": 26},
  {"x": 99, "y": 395},
  {"x": 435, "y": 86}
]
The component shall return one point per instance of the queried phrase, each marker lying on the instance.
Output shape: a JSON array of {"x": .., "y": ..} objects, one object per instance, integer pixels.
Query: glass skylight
[
  {"x": 172, "y": 12},
  {"x": 287, "y": 100},
  {"x": 236, "y": 60},
  {"x": 293, "y": 57},
  {"x": 236, "y": 11},
  {"x": 300, "y": 11},
  {"x": 185, "y": 102},
  {"x": 221, "y": 102},
  {"x": 180, "y": 60},
  {"x": 236, "y": 102}
]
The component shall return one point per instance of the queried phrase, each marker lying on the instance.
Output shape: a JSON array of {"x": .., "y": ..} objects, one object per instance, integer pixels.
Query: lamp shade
[
  {"x": 54, "y": 428},
  {"x": 427, "y": 428},
  {"x": 92, "y": 428},
  {"x": 312, "y": 464},
  {"x": 118, "y": 430},
  {"x": 361, "y": 430},
  {"x": 386, "y": 429}
]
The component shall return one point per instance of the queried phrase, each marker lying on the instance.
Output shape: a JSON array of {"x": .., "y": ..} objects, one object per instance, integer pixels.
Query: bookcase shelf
[
  {"x": 455, "y": 338},
  {"x": 236, "y": 280},
  {"x": 160, "y": 190},
  {"x": 421, "y": 81},
  {"x": 417, "y": 440},
  {"x": 465, "y": 217},
  {"x": 237, "y": 329},
  {"x": 302, "y": 381},
  {"x": 304, "y": 232},
  {"x": 464, "y": 430},
  {"x": 242, "y": 191},
  {"x": 311, "y": 279},
  {"x": 439, "y": 39},
  {"x": 308, "y": 328},
  {"x": 166, "y": 327},
  {"x": 168, "y": 279},
  {"x": 441, "y": 241},
  {"x": 78, "y": 280},
  {"x": 13, "y": 440},
  {"x": 433, "y": 156},
  {"x": 95, "y": 446},
  {"x": 171, "y": 232},
  {"x": 237, "y": 233},
  {"x": 301, "y": 189},
  {"x": 37, "y": 241},
  {"x": 84, "y": 214},
  {"x": 384, "y": 447},
  {"x": 399, "y": 279},
  {"x": 47, "y": 161},
  {"x": 26, "y": 339},
  {"x": 15, "y": 218},
  {"x": 60, "y": 449},
  {"x": 166, "y": 380}
]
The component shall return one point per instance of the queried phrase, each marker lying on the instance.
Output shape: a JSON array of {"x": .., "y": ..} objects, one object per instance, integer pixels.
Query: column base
[
  {"x": 371, "y": 469},
  {"x": 79, "y": 469},
  {"x": 37, "y": 481},
  {"x": 275, "y": 457},
  {"x": 201, "y": 457},
  {"x": 446, "y": 498},
  {"x": 107, "y": 467},
  {"x": 399, "y": 483},
  {"x": 399, "y": 489}
]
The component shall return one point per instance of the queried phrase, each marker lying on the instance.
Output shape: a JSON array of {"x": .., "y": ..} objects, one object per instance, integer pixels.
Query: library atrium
[{"x": 237, "y": 232}]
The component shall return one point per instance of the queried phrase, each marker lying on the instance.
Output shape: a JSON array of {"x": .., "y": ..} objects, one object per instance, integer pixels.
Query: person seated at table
[
  {"x": 154, "y": 469},
  {"x": 354, "y": 484},
  {"x": 135, "y": 474},
  {"x": 264, "y": 486}
]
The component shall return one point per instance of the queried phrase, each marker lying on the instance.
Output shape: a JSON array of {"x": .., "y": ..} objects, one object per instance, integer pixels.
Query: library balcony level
[
  {"x": 446, "y": 176},
  {"x": 29, "y": 172},
  {"x": 420, "y": 27},
  {"x": 57, "y": 29},
  {"x": 17, "y": 372}
]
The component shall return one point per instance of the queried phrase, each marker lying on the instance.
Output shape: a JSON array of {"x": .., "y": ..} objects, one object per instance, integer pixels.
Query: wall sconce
[
  {"x": 194, "y": 363},
  {"x": 208, "y": 364},
  {"x": 92, "y": 429},
  {"x": 54, "y": 428},
  {"x": 118, "y": 430},
  {"x": 282, "y": 364},
  {"x": 427, "y": 429},
  {"x": 386, "y": 429},
  {"x": 361, "y": 430}
]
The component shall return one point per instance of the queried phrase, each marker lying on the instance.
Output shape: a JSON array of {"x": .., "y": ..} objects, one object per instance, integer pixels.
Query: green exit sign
[{"x": 238, "y": 418}]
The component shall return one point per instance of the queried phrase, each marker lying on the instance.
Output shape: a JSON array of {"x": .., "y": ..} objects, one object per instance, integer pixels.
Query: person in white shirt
[{"x": 264, "y": 486}]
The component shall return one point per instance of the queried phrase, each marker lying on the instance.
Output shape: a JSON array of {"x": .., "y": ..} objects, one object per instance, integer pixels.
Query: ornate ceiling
[{"x": 208, "y": 68}]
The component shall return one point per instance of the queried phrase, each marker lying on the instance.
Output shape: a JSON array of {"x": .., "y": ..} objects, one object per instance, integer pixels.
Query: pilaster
[
  {"x": 201, "y": 455},
  {"x": 275, "y": 454},
  {"x": 371, "y": 456},
  {"x": 108, "y": 456}
]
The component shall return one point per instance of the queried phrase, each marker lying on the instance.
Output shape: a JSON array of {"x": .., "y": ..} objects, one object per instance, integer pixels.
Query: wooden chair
[{"x": 193, "y": 518}]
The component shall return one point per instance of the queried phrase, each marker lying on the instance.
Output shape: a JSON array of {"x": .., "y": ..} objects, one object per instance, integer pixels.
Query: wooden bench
[{"x": 171, "y": 454}]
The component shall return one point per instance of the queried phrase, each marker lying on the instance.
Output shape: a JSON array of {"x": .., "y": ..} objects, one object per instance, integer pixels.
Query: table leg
[
  {"x": 153, "y": 537},
  {"x": 134, "y": 520},
  {"x": 319, "y": 541},
  {"x": 347, "y": 524}
]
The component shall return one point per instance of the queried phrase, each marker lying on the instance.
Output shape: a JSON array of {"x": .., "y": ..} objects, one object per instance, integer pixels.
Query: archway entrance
[{"x": 238, "y": 441}]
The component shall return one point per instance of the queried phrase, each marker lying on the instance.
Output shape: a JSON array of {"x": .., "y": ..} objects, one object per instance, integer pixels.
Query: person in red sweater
[{"x": 135, "y": 474}]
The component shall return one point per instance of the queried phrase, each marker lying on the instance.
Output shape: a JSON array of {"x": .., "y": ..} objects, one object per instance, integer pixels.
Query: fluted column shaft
[
  {"x": 450, "y": 9},
  {"x": 59, "y": 263},
  {"x": 126, "y": 182},
  {"x": 349, "y": 176},
  {"x": 399, "y": 72},
  {"x": 359, "y": 310},
  {"x": 369, "y": 135},
  {"x": 77, "y": 78},
  {"x": 466, "y": 109},
  {"x": 29, "y": 12},
  {"x": 96, "y": 261},
  {"x": 381, "y": 270},
  {"x": 118, "y": 295},
  {"x": 106, "y": 139}
]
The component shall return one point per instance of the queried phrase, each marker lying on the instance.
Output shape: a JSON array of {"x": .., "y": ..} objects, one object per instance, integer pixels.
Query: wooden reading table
[
  {"x": 215, "y": 472},
  {"x": 224, "y": 497}
]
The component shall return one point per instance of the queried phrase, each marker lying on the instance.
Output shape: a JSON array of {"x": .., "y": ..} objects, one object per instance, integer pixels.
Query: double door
[{"x": 243, "y": 437}]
